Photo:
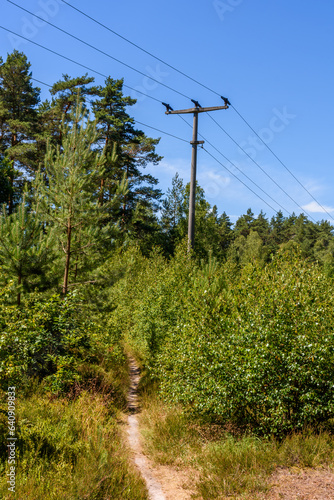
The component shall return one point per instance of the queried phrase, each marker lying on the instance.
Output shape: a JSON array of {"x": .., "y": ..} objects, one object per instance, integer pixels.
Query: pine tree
[
  {"x": 261, "y": 226},
  {"x": 172, "y": 213},
  {"x": 18, "y": 116},
  {"x": 11, "y": 183},
  {"x": 69, "y": 197},
  {"x": 66, "y": 94},
  {"x": 144, "y": 230},
  {"x": 277, "y": 228},
  {"x": 244, "y": 224},
  {"x": 226, "y": 234},
  {"x": 25, "y": 246},
  {"x": 128, "y": 151},
  {"x": 172, "y": 205}
]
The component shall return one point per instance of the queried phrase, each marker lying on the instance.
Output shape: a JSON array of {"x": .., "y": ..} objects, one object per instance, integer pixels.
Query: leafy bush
[
  {"x": 149, "y": 299},
  {"x": 45, "y": 339},
  {"x": 261, "y": 353},
  {"x": 254, "y": 348}
]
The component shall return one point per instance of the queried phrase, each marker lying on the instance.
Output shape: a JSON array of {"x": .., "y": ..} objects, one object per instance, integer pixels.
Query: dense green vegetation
[
  {"x": 93, "y": 263},
  {"x": 252, "y": 347}
]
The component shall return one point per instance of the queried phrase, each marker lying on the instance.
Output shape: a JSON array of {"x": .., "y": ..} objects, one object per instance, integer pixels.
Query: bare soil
[
  {"x": 172, "y": 483},
  {"x": 301, "y": 484}
]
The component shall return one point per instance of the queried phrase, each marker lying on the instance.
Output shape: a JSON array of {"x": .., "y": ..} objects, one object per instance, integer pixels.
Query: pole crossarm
[{"x": 195, "y": 110}]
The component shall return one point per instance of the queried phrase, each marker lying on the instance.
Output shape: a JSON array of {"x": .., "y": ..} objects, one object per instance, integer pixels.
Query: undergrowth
[
  {"x": 70, "y": 449},
  {"x": 69, "y": 444}
]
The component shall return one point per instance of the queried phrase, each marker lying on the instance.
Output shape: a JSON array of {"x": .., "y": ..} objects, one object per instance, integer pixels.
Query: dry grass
[
  {"x": 230, "y": 465},
  {"x": 70, "y": 450}
]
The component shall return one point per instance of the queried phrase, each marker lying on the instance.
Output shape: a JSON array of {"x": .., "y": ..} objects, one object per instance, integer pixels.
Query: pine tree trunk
[
  {"x": 68, "y": 255},
  {"x": 124, "y": 203},
  {"x": 102, "y": 182},
  {"x": 11, "y": 191},
  {"x": 19, "y": 279},
  {"x": 76, "y": 268},
  {"x": 11, "y": 179}
]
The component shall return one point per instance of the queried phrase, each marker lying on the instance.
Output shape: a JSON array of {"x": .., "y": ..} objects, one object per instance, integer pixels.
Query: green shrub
[
  {"x": 258, "y": 352},
  {"x": 253, "y": 347},
  {"x": 45, "y": 339},
  {"x": 149, "y": 300}
]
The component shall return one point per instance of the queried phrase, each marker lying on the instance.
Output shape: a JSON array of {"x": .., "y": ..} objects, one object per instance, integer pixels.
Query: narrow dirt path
[
  {"x": 153, "y": 485},
  {"x": 167, "y": 483}
]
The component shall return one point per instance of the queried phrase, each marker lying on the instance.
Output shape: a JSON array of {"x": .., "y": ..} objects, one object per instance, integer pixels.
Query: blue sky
[{"x": 273, "y": 60}]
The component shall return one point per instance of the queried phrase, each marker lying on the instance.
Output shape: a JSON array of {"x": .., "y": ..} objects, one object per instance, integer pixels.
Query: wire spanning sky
[{"x": 273, "y": 60}]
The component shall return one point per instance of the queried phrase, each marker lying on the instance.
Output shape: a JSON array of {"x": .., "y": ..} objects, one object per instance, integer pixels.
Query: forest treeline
[{"x": 73, "y": 189}]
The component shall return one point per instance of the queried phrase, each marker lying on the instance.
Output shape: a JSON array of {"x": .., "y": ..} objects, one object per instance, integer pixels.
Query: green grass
[
  {"x": 70, "y": 449},
  {"x": 229, "y": 464}
]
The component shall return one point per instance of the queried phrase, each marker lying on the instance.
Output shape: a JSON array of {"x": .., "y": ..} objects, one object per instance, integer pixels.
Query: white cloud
[
  {"x": 213, "y": 183},
  {"x": 167, "y": 170},
  {"x": 314, "y": 207},
  {"x": 210, "y": 175},
  {"x": 313, "y": 186}
]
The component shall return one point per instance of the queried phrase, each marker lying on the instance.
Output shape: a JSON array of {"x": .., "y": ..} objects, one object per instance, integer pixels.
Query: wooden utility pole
[{"x": 197, "y": 109}]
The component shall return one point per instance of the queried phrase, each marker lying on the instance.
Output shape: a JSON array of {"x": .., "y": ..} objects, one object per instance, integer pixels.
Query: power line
[
  {"x": 157, "y": 100},
  {"x": 214, "y": 147},
  {"x": 99, "y": 50},
  {"x": 136, "y": 121},
  {"x": 140, "y": 72},
  {"x": 261, "y": 168},
  {"x": 42, "y": 83},
  {"x": 75, "y": 62},
  {"x": 170, "y": 88},
  {"x": 235, "y": 166},
  {"x": 162, "y": 132},
  {"x": 207, "y": 88},
  {"x": 280, "y": 161},
  {"x": 250, "y": 189},
  {"x": 184, "y": 140},
  {"x": 140, "y": 48}
]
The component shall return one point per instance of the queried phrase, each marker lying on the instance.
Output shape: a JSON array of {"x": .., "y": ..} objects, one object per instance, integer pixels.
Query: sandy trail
[{"x": 153, "y": 485}]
